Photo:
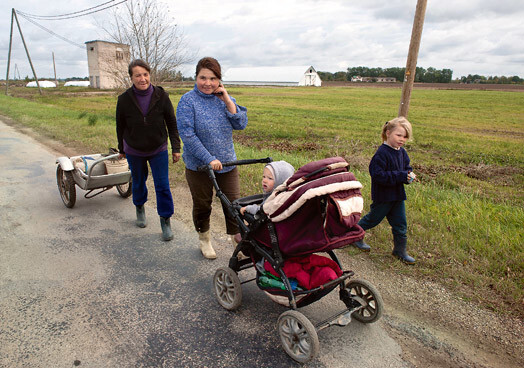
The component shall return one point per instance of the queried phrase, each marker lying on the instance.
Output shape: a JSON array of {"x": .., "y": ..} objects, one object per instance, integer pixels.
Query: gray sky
[{"x": 468, "y": 36}]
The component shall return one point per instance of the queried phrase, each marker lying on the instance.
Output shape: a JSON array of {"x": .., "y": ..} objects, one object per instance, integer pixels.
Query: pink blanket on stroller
[{"x": 310, "y": 271}]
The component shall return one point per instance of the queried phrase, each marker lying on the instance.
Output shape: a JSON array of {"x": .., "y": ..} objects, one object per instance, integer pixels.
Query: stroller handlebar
[{"x": 238, "y": 162}]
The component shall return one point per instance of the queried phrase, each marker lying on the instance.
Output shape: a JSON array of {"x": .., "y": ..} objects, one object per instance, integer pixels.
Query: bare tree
[{"x": 152, "y": 35}]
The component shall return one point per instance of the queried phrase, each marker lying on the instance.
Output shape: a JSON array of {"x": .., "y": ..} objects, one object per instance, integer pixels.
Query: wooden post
[
  {"x": 411, "y": 64},
  {"x": 54, "y": 68},
  {"x": 9, "y": 54},
  {"x": 27, "y": 51}
]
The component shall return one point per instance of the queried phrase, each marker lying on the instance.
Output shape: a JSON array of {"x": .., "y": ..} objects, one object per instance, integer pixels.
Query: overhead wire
[
  {"x": 77, "y": 14},
  {"x": 31, "y": 18}
]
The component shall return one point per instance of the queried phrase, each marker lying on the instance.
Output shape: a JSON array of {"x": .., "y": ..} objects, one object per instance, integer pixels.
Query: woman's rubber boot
[
  {"x": 141, "y": 216},
  {"x": 362, "y": 245},
  {"x": 399, "y": 249},
  {"x": 205, "y": 245},
  {"x": 165, "y": 223}
]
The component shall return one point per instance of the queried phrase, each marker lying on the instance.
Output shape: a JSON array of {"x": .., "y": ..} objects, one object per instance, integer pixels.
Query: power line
[
  {"x": 31, "y": 18},
  {"x": 77, "y": 14},
  {"x": 53, "y": 33}
]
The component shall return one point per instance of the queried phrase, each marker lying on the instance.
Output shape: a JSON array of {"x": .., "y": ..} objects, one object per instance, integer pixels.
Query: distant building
[
  {"x": 77, "y": 84},
  {"x": 107, "y": 63},
  {"x": 374, "y": 79},
  {"x": 273, "y": 76},
  {"x": 42, "y": 84}
]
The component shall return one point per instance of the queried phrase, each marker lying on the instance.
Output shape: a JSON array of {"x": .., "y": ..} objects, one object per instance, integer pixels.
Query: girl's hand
[
  {"x": 121, "y": 156},
  {"x": 242, "y": 211},
  {"x": 216, "y": 165},
  {"x": 411, "y": 177},
  {"x": 176, "y": 156}
]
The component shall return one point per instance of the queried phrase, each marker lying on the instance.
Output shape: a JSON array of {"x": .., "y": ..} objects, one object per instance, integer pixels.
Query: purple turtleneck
[{"x": 144, "y": 98}]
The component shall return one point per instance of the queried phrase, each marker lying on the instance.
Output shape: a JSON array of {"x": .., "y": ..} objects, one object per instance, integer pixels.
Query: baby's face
[{"x": 268, "y": 181}]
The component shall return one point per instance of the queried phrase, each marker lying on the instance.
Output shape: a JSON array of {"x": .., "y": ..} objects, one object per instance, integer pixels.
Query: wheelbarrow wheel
[
  {"x": 66, "y": 187},
  {"x": 368, "y": 296},
  {"x": 298, "y": 336},
  {"x": 228, "y": 290},
  {"x": 125, "y": 190}
]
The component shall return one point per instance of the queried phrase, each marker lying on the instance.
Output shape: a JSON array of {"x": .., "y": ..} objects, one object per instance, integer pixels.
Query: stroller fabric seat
[{"x": 315, "y": 210}]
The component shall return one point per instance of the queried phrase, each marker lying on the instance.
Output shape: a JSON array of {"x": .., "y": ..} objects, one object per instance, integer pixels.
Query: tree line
[{"x": 422, "y": 75}]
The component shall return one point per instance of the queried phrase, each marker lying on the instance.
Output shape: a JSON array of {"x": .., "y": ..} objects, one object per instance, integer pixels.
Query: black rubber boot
[
  {"x": 141, "y": 216},
  {"x": 362, "y": 245},
  {"x": 165, "y": 223},
  {"x": 399, "y": 250}
]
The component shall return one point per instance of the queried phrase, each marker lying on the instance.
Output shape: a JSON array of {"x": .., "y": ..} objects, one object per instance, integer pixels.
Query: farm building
[
  {"x": 273, "y": 76},
  {"x": 77, "y": 84},
  {"x": 107, "y": 63},
  {"x": 358, "y": 78},
  {"x": 42, "y": 84}
]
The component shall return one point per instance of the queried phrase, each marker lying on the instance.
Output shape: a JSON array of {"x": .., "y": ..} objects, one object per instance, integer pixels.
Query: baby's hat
[{"x": 282, "y": 170}]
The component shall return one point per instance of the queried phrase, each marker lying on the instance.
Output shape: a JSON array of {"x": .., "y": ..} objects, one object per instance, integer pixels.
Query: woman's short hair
[
  {"x": 138, "y": 62},
  {"x": 394, "y": 123},
  {"x": 211, "y": 64}
]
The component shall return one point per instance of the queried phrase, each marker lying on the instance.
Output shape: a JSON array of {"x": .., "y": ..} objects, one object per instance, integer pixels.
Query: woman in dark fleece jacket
[{"x": 144, "y": 119}]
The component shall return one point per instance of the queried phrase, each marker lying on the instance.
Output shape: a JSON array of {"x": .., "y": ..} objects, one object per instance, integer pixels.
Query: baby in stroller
[{"x": 275, "y": 173}]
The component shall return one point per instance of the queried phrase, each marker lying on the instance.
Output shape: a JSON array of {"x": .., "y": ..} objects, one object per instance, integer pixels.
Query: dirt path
[{"x": 434, "y": 327}]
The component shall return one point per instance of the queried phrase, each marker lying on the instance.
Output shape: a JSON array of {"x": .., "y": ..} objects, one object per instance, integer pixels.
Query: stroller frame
[{"x": 298, "y": 335}]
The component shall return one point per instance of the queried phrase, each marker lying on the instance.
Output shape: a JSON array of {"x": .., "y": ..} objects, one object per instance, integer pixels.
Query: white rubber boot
[{"x": 205, "y": 245}]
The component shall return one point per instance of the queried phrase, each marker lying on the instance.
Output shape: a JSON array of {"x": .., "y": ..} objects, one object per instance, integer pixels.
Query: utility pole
[
  {"x": 411, "y": 64},
  {"x": 54, "y": 68},
  {"x": 13, "y": 16}
]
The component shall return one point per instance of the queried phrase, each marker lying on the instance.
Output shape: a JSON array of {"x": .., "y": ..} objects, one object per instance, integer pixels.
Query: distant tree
[
  {"x": 339, "y": 76},
  {"x": 149, "y": 29},
  {"x": 325, "y": 76}
]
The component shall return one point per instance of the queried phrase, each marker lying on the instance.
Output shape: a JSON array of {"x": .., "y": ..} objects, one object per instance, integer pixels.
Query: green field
[{"x": 465, "y": 215}]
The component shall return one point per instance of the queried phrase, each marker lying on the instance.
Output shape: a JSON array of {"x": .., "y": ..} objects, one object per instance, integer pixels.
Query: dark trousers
[
  {"x": 159, "y": 164},
  {"x": 201, "y": 189},
  {"x": 395, "y": 212}
]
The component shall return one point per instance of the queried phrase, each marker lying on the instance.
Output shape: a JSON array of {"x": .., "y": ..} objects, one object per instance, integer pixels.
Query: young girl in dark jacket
[{"x": 390, "y": 170}]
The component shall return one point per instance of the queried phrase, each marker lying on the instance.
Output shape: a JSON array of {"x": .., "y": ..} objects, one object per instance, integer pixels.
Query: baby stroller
[{"x": 314, "y": 211}]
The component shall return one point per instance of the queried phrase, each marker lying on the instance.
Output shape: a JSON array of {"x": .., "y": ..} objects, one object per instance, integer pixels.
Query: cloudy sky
[{"x": 468, "y": 36}]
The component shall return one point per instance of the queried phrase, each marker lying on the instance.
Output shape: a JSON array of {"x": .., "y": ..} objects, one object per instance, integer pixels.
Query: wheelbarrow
[{"x": 91, "y": 175}]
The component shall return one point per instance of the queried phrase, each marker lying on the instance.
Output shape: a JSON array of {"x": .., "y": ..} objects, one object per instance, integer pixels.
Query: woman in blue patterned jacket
[{"x": 206, "y": 117}]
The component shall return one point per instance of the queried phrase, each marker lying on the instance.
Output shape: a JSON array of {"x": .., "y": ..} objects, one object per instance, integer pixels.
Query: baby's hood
[{"x": 282, "y": 171}]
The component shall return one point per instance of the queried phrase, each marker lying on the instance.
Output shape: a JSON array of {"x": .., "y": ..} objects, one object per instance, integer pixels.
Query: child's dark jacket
[{"x": 389, "y": 170}]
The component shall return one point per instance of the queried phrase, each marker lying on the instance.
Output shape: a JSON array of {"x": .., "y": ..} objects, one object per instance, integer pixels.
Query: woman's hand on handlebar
[{"x": 216, "y": 165}]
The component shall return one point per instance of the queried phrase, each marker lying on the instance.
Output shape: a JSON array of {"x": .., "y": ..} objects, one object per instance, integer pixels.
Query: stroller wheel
[
  {"x": 227, "y": 286},
  {"x": 298, "y": 336},
  {"x": 366, "y": 294}
]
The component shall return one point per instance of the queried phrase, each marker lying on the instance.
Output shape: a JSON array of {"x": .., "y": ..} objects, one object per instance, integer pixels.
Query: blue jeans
[
  {"x": 159, "y": 164},
  {"x": 395, "y": 212}
]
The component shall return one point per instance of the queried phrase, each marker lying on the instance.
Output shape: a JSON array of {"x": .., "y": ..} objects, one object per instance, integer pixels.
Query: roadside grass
[{"x": 465, "y": 214}]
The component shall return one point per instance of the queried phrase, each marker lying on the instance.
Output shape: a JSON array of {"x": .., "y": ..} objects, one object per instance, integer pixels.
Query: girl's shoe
[{"x": 363, "y": 246}]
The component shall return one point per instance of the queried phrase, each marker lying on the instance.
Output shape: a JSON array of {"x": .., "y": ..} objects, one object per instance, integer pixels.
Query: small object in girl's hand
[
  {"x": 218, "y": 93},
  {"x": 411, "y": 177}
]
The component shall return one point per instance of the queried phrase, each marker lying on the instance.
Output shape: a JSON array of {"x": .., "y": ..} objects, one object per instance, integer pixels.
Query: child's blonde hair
[{"x": 394, "y": 123}]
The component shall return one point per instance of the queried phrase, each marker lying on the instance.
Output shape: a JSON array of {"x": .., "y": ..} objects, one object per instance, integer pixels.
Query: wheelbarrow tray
[{"x": 87, "y": 181}]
